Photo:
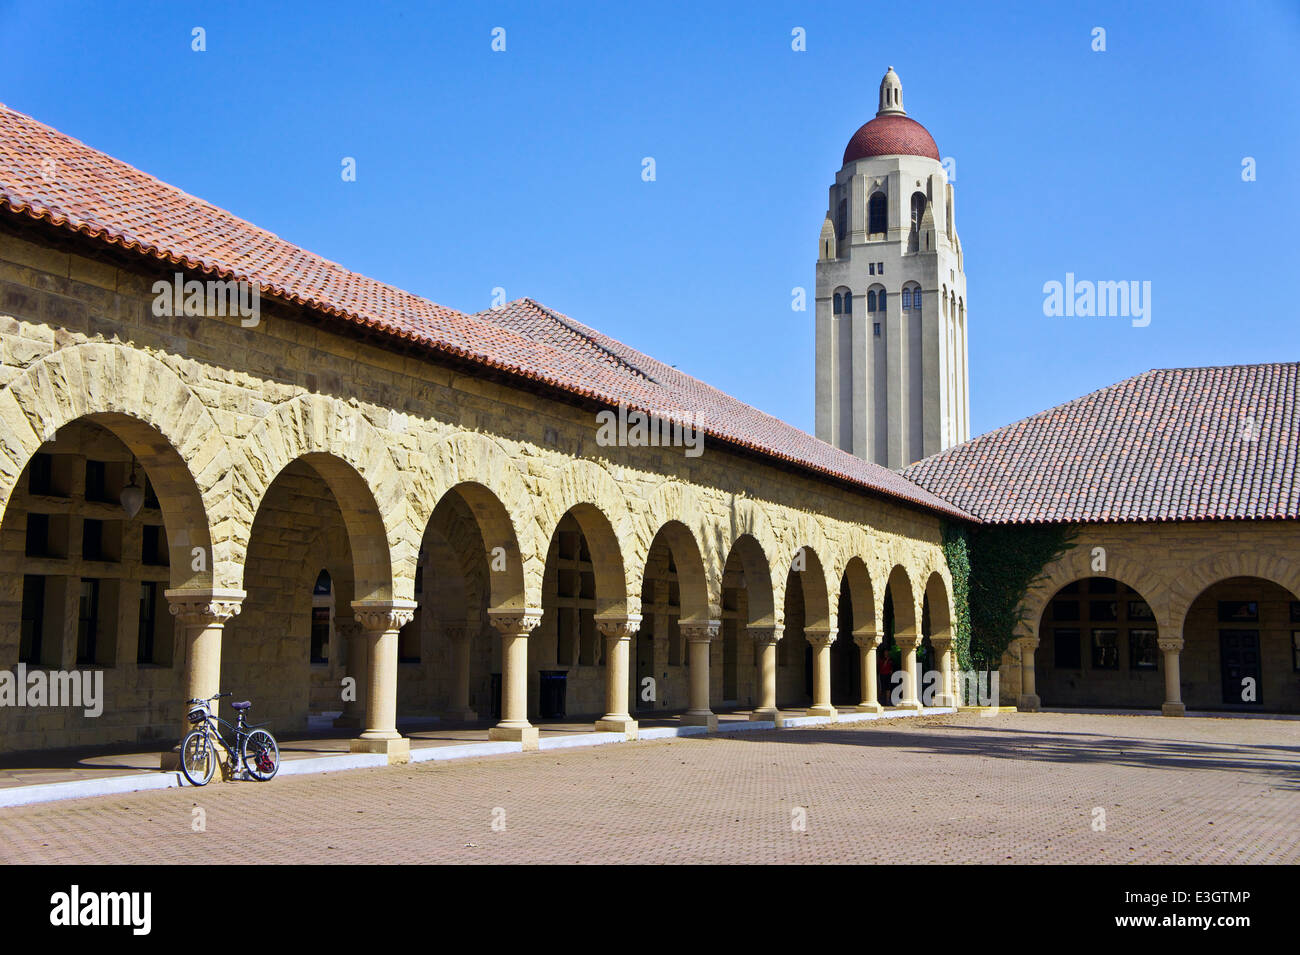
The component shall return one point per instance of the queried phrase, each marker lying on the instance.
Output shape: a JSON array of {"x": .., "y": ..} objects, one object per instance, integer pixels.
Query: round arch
[
  {"x": 146, "y": 406},
  {"x": 747, "y": 553}
]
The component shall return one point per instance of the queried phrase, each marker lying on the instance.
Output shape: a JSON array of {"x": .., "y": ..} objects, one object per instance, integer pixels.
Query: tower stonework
[{"x": 891, "y": 297}]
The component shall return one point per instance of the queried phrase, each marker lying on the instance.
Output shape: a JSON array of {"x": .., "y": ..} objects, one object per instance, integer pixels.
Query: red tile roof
[
  {"x": 891, "y": 135},
  {"x": 48, "y": 176},
  {"x": 1174, "y": 444}
]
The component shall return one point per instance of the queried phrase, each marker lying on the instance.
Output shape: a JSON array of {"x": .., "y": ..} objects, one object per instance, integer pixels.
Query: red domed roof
[{"x": 891, "y": 136}]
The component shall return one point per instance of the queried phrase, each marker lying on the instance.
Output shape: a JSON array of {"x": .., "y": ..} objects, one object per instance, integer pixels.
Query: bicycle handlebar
[{"x": 215, "y": 696}]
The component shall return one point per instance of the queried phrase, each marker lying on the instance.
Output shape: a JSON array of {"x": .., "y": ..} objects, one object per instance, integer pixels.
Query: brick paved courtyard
[{"x": 1017, "y": 788}]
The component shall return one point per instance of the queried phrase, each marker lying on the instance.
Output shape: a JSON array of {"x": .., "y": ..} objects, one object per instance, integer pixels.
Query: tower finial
[{"x": 891, "y": 95}]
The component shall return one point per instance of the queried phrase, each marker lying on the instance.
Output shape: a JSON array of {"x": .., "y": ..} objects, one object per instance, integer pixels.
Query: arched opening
[
  {"x": 918, "y": 214},
  {"x": 807, "y": 607},
  {"x": 877, "y": 215},
  {"x": 746, "y": 603},
  {"x": 854, "y": 616},
  {"x": 316, "y": 515},
  {"x": 1098, "y": 647},
  {"x": 898, "y": 618},
  {"x": 103, "y": 520},
  {"x": 1241, "y": 647},
  {"x": 583, "y": 576},
  {"x": 673, "y": 590}
]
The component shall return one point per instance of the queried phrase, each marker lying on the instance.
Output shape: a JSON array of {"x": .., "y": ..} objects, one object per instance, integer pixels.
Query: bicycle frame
[{"x": 211, "y": 726}]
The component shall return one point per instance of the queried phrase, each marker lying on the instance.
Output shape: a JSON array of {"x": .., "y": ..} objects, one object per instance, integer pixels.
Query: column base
[
  {"x": 617, "y": 724},
  {"x": 1173, "y": 709},
  {"x": 869, "y": 708},
  {"x": 700, "y": 719},
  {"x": 527, "y": 735},
  {"x": 1028, "y": 703},
  {"x": 397, "y": 750},
  {"x": 825, "y": 710},
  {"x": 909, "y": 705},
  {"x": 945, "y": 699},
  {"x": 769, "y": 713}
]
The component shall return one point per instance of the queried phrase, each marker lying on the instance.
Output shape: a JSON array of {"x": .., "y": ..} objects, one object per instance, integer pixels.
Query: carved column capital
[
  {"x": 941, "y": 641},
  {"x": 700, "y": 631},
  {"x": 867, "y": 639},
  {"x": 381, "y": 616},
  {"x": 515, "y": 623},
  {"x": 766, "y": 633},
  {"x": 204, "y": 608},
  {"x": 819, "y": 637},
  {"x": 1170, "y": 644},
  {"x": 907, "y": 641},
  {"x": 620, "y": 627},
  {"x": 458, "y": 634},
  {"x": 1029, "y": 643}
]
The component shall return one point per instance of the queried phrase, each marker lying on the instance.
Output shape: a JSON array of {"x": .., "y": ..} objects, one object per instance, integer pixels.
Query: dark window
[
  {"x": 153, "y": 549},
  {"x": 1295, "y": 611},
  {"x": 1238, "y": 611},
  {"x": 1065, "y": 610},
  {"x": 907, "y": 298},
  {"x": 324, "y": 586},
  {"x": 1070, "y": 588},
  {"x": 148, "y": 607},
  {"x": 1066, "y": 649},
  {"x": 880, "y": 301},
  {"x": 837, "y": 307},
  {"x": 842, "y": 219},
  {"x": 1143, "y": 651},
  {"x": 871, "y": 301},
  {"x": 877, "y": 214},
  {"x": 1103, "y": 585},
  {"x": 848, "y": 303},
  {"x": 880, "y": 268},
  {"x": 38, "y": 535},
  {"x": 1105, "y": 649},
  {"x": 1103, "y": 611},
  {"x": 88, "y": 622},
  {"x": 96, "y": 482},
  {"x": 871, "y": 268},
  {"x": 33, "y": 620},
  {"x": 918, "y": 210},
  {"x": 320, "y": 634},
  {"x": 40, "y": 474},
  {"x": 92, "y": 539},
  {"x": 876, "y": 330}
]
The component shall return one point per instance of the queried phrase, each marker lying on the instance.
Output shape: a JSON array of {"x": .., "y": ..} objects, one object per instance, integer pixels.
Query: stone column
[
  {"x": 700, "y": 635},
  {"x": 618, "y": 642},
  {"x": 1172, "y": 648},
  {"x": 821, "y": 639},
  {"x": 515, "y": 626},
  {"x": 942, "y": 643},
  {"x": 380, "y": 621},
  {"x": 1028, "y": 701},
  {"x": 461, "y": 644},
  {"x": 765, "y": 640},
  {"x": 867, "y": 642},
  {"x": 355, "y": 647},
  {"x": 203, "y": 613},
  {"x": 907, "y": 643}
]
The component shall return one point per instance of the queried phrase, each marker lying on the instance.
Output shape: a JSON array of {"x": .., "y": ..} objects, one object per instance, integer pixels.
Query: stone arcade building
[
  {"x": 366, "y": 484},
  {"x": 358, "y": 483}
]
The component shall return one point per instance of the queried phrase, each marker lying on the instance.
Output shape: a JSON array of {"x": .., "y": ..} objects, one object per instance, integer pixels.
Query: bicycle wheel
[
  {"x": 198, "y": 758},
  {"x": 260, "y": 755}
]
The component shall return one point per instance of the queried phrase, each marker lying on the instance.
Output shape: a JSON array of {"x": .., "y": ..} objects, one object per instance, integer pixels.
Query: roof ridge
[{"x": 588, "y": 335}]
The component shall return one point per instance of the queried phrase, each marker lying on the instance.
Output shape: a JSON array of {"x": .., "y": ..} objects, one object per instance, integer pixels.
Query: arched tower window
[
  {"x": 842, "y": 219},
  {"x": 912, "y": 297},
  {"x": 877, "y": 214},
  {"x": 871, "y": 300},
  {"x": 843, "y": 304},
  {"x": 907, "y": 298}
]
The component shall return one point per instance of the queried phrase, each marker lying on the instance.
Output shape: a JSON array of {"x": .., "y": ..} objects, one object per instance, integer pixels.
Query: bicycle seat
[{"x": 241, "y": 706}]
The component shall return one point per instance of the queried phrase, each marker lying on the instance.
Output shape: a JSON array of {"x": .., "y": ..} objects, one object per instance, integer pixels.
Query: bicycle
[{"x": 258, "y": 752}]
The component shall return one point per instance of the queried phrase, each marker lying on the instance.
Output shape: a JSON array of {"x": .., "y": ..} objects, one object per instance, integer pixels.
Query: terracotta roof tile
[
  {"x": 1174, "y": 444},
  {"x": 49, "y": 176}
]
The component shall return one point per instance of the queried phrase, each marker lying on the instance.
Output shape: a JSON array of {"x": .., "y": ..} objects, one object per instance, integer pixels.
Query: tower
[{"x": 891, "y": 297}]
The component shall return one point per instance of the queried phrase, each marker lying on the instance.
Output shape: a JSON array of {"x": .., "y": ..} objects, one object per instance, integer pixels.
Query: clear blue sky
[{"x": 522, "y": 169}]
